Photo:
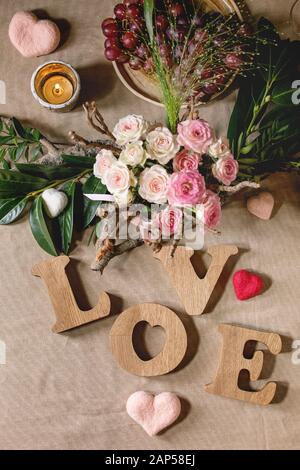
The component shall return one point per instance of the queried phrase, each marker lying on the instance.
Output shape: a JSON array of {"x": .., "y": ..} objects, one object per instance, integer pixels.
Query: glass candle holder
[{"x": 56, "y": 86}]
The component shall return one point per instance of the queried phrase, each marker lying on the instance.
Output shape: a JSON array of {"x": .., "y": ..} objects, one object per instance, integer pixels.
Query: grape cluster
[{"x": 202, "y": 50}]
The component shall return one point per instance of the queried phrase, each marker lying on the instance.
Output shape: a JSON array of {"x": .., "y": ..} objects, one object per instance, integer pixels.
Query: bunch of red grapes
[{"x": 203, "y": 49}]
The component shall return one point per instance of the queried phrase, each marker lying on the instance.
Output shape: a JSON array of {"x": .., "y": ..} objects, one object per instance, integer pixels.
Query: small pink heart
[
  {"x": 153, "y": 413},
  {"x": 33, "y": 37},
  {"x": 262, "y": 205}
]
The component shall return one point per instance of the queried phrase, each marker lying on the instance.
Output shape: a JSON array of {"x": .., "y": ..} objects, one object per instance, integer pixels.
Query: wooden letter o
[{"x": 156, "y": 315}]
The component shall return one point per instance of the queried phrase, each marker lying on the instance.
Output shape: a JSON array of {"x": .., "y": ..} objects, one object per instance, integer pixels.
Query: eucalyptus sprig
[{"x": 17, "y": 142}]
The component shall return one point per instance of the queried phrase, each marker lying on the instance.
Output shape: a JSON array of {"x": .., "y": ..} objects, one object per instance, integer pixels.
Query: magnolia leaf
[
  {"x": 11, "y": 209},
  {"x": 50, "y": 172},
  {"x": 89, "y": 211},
  {"x": 15, "y": 183},
  {"x": 79, "y": 161},
  {"x": 39, "y": 227},
  {"x": 94, "y": 186},
  {"x": 66, "y": 219}
]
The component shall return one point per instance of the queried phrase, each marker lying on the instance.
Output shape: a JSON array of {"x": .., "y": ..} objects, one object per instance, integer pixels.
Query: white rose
[
  {"x": 117, "y": 178},
  {"x": 104, "y": 160},
  {"x": 130, "y": 129},
  {"x": 133, "y": 154},
  {"x": 162, "y": 145},
  {"x": 124, "y": 198},
  {"x": 154, "y": 183},
  {"x": 219, "y": 149}
]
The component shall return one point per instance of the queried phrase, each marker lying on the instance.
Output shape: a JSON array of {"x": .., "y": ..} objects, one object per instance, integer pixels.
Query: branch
[
  {"x": 239, "y": 187},
  {"x": 101, "y": 262},
  {"x": 99, "y": 144},
  {"x": 52, "y": 150},
  {"x": 96, "y": 119}
]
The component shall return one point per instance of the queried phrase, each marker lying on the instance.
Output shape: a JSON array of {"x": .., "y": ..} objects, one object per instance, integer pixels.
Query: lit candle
[{"x": 56, "y": 86}]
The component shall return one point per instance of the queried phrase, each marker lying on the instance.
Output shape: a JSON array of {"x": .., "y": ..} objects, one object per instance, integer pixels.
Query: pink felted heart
[
  {"x": 262, "y": 205},
  {"x": 153, "y": 413},
  {"x": 33, "y": 37},
  {"x": 247, "y": 285}
]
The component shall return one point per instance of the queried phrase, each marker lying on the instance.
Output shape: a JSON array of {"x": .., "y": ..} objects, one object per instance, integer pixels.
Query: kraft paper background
[{"x": 66, "y": 391}]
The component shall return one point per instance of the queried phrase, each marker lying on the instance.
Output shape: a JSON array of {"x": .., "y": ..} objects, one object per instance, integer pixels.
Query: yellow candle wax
[{"x": 57, "y": 89}]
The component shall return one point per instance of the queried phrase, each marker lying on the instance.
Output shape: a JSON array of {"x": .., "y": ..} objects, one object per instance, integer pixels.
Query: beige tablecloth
[{"x": 66, "y": 391}]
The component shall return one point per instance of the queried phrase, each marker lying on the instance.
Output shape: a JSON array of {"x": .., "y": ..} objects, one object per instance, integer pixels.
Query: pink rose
[
  {"x": 117, "y": 178},
  {"x": 195, "y": 135},
  {"x": 170, "y": 221},
  {"x": 186, "y": 160},
  {"x": 104, "y": 160},
  {"x": 226, "y": 170},
  {"x": 212, "y": 209},
  {"x": 186, "y": 187},
  {"x": 154, "y": 184}
]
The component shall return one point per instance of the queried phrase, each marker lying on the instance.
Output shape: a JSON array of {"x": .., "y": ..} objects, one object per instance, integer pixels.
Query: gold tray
[{"x": 145, "y": 87}]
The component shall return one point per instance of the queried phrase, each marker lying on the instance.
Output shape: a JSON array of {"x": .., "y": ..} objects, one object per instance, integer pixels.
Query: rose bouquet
[{"x": 172, "y": 171}]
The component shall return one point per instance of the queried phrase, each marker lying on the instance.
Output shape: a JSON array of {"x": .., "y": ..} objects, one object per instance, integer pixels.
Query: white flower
[
  {"x": 162, "y": 145},
  {"x": 124, "y": 198},
  {"x": 154, "y": 184},
  {"x": 134, "y": 154},
  {"x": 117, "y": 178},
  {"x": 104, "y": 160},
  {"x": 219, "y": 149},
  {"x": 130, "y": 129}
]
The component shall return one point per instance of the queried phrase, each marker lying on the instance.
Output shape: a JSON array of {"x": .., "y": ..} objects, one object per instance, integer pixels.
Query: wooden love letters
[
  {"x": 195, "y": 294},
  {"x": 193, "y": 291},
  {"x": 233, "y": 361},
  {"x": 68, "y": 314},
  {"x": 172, "y": 353}
]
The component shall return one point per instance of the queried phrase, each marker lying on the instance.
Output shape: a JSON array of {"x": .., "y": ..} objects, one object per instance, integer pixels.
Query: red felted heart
[{"x": 247, "y": 285}]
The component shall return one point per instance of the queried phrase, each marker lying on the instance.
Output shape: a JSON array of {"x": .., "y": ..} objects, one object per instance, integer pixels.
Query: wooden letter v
[{"x": 193, "y": 291}]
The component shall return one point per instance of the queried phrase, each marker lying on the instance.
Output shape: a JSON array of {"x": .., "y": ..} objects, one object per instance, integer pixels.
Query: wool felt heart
[
  {"x": 54, "y": 202},
  {"x": 153, "y": 413},
  {"x": 247, "y": 285},
  {"x": 33, "y": 37},
  {"x": 262, "y": 205}
]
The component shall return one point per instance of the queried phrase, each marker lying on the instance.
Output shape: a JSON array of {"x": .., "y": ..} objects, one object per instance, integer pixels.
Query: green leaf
[
  {"x": 94, "y": 186},
  {"x": 50, "y": 172},
  {"x": 20, "y": 131},
  {"x": 148, "y": 14},
  {"x": 2, "y": 154},
  {"x": 12, "y": 152},
  {"x": 36, "y": 135},
  {"x": 5, "y": 165},
  {"x": 89, "y": 211},
  {"x": 39, "y": 227},
  {"x": 20, "y": 150},
  {"x": 282, "y": 94},
  {"x": 35, "y": 152},
  {"x": 79, "y": 161},
  {"x": 11, "y": 209},
  {"x": 66, "y": 219},
  {"x": 5, "y": 139},
  {"x": 13, "y": 183}
]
